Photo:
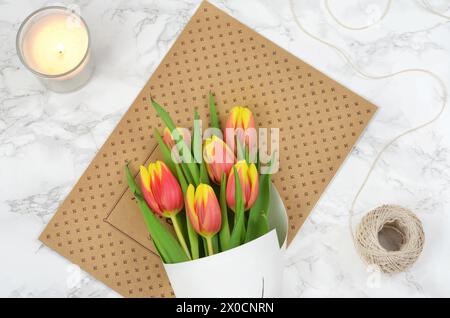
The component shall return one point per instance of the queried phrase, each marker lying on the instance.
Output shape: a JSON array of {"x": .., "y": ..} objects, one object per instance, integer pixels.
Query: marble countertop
[{"x": 48, "y": 139}]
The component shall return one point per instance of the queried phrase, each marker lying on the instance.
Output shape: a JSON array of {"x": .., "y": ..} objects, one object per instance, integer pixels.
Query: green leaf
[
  {"x": 162, "y": 253},
  {"x": 181, "y": 179},
  {"x": 239, "y": 228},
  {"x": 162, "y": 250},
  {"x": 187, "y": 174},
  {"x": 182, "y": 221},
  {"x": 258, "y": 162},
  {"x": 215, "y": 244},
  {"x": 168, "y": 247},
  {"x": 247, "y": 154},
  {"x": 180, "y": 231},
  {"x": 189, "y": 165},
  {"x": 164, "y": 116},
  {"x": 193, "y": 238},
  {"x": 197, "y": 139},
  {"x": 213, "y": 112},
  {"x": 188, "y": 160},
  {"x": 131, "y": 183},
  {"x": 258, "y": 224},
  {"x": 165, "y": 151},
  {"x": 240, "y": 149},
  {"x": 197, "y": 149},
  {"x": 204, "y": 178},
  {"x": 192, "y": 235},
  {"x": 205, "y": 246},
  {"x": 224, "y": 234}
]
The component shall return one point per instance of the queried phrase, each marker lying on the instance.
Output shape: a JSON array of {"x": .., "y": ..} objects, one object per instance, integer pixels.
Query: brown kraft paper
[{"x": 99, "y": 226}]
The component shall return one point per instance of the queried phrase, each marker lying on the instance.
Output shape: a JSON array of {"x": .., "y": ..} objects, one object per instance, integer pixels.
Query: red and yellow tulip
[
  {"x": 249, "y": 180},
  {"x": 218, "y": 157},
  {"x": 163, "y": 194},
  {"x": 161, "y": 189},
  {"x": 170, "y": 141},
  {"x": 240, "y": 124},
  {"x": 204, "y": 213}
]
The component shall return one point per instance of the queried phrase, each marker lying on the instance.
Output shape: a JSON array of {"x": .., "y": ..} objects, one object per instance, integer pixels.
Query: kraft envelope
[{"x": 99, "y": 227}]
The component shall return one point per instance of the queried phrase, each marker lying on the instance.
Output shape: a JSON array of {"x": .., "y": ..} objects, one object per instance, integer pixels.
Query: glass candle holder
[{"x": 54, "y": 44}]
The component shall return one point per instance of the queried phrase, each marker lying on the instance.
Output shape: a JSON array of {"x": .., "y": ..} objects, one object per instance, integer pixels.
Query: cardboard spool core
[
  {"x": 99, "y": 226},
  {"x": 391, "y": 237}
]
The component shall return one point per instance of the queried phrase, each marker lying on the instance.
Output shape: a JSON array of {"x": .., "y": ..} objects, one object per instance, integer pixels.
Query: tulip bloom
[
  {"x": 163, "y": 194},
  {"x": 241, "y": 125},
  {"x": 204, "y": 213},
  {"x": 161, "y": 189},
  {"x": 218, "y": 157},
  {"x": 249, "y": 180},
  {"x": 170, "y": 141}
]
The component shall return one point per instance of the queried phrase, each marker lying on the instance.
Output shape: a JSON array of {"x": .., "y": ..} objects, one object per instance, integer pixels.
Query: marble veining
[{"x": 48, "y": 139}]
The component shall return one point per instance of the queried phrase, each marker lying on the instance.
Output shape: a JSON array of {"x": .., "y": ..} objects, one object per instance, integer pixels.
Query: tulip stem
[
  {"x": 210, "y": 246},
  {"x": 180, "y": 236}
]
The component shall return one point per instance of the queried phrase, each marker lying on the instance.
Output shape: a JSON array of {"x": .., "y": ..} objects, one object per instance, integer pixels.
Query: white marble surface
[{"x": 47, "y": 139}]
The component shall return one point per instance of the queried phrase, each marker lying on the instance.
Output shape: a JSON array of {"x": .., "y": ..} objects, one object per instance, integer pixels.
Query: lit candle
[{"x": 54, "y": 43}]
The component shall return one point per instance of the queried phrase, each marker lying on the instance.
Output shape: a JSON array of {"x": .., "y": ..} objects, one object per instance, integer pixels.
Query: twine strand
[
  {"x": 330, "y": 12},
  {"x": 430, "y": 9},
  {"x": 366, "y": 240}
]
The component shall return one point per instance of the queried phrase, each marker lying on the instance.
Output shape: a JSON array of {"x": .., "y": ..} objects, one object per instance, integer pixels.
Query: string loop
[{"x": 366, "y": 238}]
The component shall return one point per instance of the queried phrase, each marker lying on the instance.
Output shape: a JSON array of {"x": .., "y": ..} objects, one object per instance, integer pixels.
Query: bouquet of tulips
[{"x": 212, "y": 190}]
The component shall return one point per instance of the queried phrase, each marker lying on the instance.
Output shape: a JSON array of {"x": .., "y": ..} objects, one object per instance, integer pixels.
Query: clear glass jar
[{"x": 54, "y": 44}]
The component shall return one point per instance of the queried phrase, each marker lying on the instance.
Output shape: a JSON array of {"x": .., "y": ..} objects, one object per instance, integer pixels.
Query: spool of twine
[
  {"x": 390, "y": 237},
  {"x": 390, "y": 220}
]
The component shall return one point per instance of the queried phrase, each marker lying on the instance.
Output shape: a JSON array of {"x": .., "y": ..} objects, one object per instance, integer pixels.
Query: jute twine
[
  {"x": 395, "y": 218},
  {"x": 399, "y": 220}
]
